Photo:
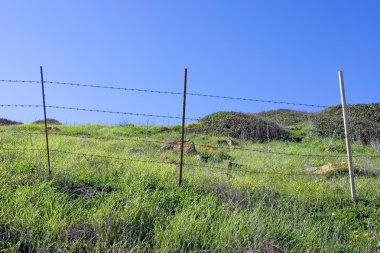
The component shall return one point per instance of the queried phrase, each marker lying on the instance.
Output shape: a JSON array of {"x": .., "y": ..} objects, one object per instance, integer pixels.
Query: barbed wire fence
[{"x": 237, "y": 167}]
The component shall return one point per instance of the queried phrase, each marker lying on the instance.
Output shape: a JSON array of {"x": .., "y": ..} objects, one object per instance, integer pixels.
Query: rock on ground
[{"x": 188, "y": 147}]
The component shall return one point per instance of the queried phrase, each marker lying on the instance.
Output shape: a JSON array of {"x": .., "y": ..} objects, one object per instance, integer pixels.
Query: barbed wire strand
[
  {"x": 170, "y": 92},
  {"x": 99, "y": 111},
  {"x": 18, "y": 81},
  {"x": 160, "y": 162}
]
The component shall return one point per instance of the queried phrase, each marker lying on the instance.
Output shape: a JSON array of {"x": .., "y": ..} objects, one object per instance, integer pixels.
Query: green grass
[{"x": 96, "y": 204}]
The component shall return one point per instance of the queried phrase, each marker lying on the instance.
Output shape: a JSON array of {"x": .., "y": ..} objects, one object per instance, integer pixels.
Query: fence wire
[
  {"x": 168, "y": 92},
  {"x": 246, "y": 170},
  {"x": 99, "y": 111}
]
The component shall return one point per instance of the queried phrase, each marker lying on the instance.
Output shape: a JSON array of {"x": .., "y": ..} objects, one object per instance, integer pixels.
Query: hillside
[{"x": 114, "y": 189}]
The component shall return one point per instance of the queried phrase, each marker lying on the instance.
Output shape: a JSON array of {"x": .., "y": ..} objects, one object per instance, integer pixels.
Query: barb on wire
[
  {"x": 102, "y": 111},
  {"x": 169, "y": 92},
  {"x": 36, "y": 106},
  {"x": 18, "y": 81}
]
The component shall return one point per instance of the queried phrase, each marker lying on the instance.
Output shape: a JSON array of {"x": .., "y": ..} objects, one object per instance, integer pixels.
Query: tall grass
[{"x": 95, "y": 204}]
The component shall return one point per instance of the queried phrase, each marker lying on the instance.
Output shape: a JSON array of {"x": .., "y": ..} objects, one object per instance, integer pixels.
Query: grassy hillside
[{"x": 95, "y": 203}]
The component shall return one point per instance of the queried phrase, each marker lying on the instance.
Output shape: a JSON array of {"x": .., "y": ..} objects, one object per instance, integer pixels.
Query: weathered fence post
[
  {"x": 46, "y": 129},
  {"x": 183, "y": 128},
  {"x": 347, "y": 134}
]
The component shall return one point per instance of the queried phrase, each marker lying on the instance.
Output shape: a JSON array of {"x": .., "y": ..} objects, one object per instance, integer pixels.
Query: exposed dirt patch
[
  {"x": 342, "y": 168},
  {"x": 189, "y": 147},
  {"x": 209, "y": 148}
]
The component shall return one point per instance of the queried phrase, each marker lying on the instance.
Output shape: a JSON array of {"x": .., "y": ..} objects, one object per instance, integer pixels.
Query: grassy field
[{"x": 94, "y": 203}]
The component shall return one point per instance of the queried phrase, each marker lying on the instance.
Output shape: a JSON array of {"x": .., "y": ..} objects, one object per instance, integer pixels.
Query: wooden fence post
[{"x": 348, "y": 138}]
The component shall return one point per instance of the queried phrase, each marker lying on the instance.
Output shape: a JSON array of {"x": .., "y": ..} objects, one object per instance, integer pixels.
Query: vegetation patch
[
  {"x": 284, "y": 117},
  {"x": 8, "y": 236},
  {"x": 53, "y": 129},
  {"x": 213, "y": 157},
  {"x": 243, "y": 126},
  {"x": 7, "y": 122},
  {"x": 83, "y": 232},
  {"x": 48, "y": 121},
  {"x": 364, "y": 122},
  {"x": 82, "y": 190},
  {"x": 97, "y": 204}
]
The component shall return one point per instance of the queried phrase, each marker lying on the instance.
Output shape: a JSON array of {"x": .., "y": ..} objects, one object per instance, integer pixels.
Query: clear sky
[{"x": 273, "y": 50}]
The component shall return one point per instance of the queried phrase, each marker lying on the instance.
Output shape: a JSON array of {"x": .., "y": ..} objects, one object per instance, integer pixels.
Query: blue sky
[{"x": 272, "y": 50}]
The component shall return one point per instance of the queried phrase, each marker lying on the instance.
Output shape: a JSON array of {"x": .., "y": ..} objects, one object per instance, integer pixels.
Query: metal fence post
[
  {"x": 347, "y": 134},
  {"x": 46, "y": 129},
  {"x": 183, "y": 128}
]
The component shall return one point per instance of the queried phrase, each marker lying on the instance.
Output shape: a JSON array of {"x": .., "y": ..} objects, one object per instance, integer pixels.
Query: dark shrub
[
  {"x": 241, "y": 125},
  {"x": 49, "y": 121},
  {"x": 364, "y": 122},
  {"x": 7, "y": 122}
]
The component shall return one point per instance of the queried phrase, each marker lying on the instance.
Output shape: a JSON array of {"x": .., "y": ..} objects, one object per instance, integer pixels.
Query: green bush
[
  {"x": 244, "y": 126},
  {"x": 364, "y": 122},
  {"x": 284, "y": 117}
]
